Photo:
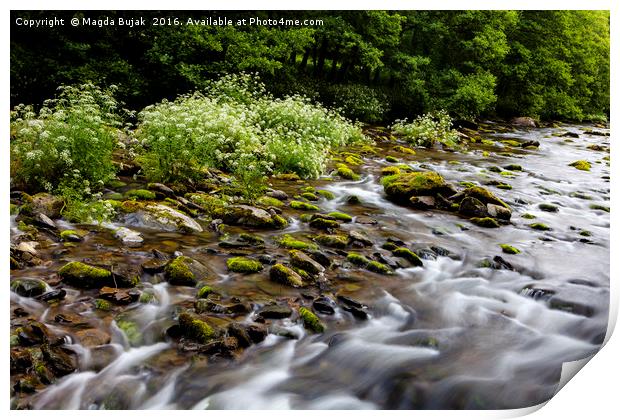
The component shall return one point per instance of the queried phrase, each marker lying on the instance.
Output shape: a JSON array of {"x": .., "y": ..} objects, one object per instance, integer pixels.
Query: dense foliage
[{"x": 375, "y": 65}]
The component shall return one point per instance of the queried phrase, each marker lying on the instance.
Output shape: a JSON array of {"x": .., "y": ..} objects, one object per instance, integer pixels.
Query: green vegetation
[
  {"x": 373, "y": 65},
  {"x": 582, "y": 165},
  {"x": 428, "y": 129},
  {"x": 311, "y": 321},
  {"x": 243, "y": 265},
  {"x": 509, "y": 249}
]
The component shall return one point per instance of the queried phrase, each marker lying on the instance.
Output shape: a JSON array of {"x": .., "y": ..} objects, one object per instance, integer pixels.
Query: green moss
[
  {"x": 83, "y": 275},
  {"x": 539, "y": 226},
  {"x": 353, "y": 160},
  {"x": 300, "y": 205},
  {"x": 14, "y": 209},
  {"x": 131, "y": 330},
  {"x": 377, "y": 267},
  {"x": 115, "y": 183},
  {"x": 290, "y": 242},
  {"x": 511, "y": 143},
  {"x": 278, "y": 221},
  {"x": 284, "y": 275},
  {"x": 140, "y": 194},
  {"x": 507, "y": 174},
  {"x": 340, "y": 216},
  {"x": 390, "y": 170},
  {"x": 484, "y": 195},
  {"x": 251, "y": 239},
  {"x": 204, "y": 292},
  {"x": 486, "y": 222},
  {"x": 147, "y": 297},
  {"x": 509, "y": 249},
  {"x": 287, "y": 177},
  {"x": 345, "y": 172},
  {"x": 585, "y": 233},
  {"x": 177, "y": 271},
  {"x": 406, "y": 185},
  {"x": 311, "y": 321},
  {"x": 214, "y": 206},
  {"x": 333, "y": 241},
  {"x": 528, "y": 216},
  {"x": 548, "y": 207},
  {"x": 305, "y": 217},
  {"x": 409, "y": 255},
  {"x": 243, "y": 265},
  {"x": 195, "y": 329},
  {"x": 405, "y": 150},
  {"x": 328, "y": 195},
  {"x": 467, "y": 184},
  {"x": 70, "y": 236},
  {"x": 308, "y": 188},
  {"x": 357, "y": 259},
  {"x": 504, "y": 186},
  {"x": 103, "y": 305},
  {"x": 321, "y": 223},
  {"x": 599, "y": 207},
  {"x": 267, "y": 201},
  {"x": 582, "y": 165},
  {"x": 391, "y": 159},
  {"x": 310, "y": 196}
]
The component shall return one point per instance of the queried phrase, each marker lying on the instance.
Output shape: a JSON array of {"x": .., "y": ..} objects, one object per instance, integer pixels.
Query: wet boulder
[
  {"x": 43, "y": 203},
  {"x": 245, "y": 215},
  {"x": 185, "y": 271},
  {"x": 119, "y": 296},
  {"x": 302, "y": 260},
  {"x": 28, "y": 287},
  {"x": 33, "y": 333},
  {"x": 92, "y": 337},
  {"x": 158, "y": 217},
  {"x": 275, "y": 312},
  {"x": 195, "y": 329},
  {"x": 402, "y": 187},
  {"x": 479, "y": 193},
  {"x": 499, "y": 212},
  {"x": 284, "y": 275},
  {"x": 128, "y": 236},
  {"x": 85, "y": 276},
  {"x": 472, "y": 207},
  {"x": 423, "y": 202}
]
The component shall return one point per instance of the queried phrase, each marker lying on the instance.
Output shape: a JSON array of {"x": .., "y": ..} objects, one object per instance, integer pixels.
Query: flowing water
[{"x": 451, "y": 334}]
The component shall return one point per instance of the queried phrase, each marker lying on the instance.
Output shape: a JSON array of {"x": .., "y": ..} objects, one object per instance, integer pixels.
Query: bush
[
  {"x": 356, "y": 101},
  {"x": 72, "y": 136},
  {"x": 428, "y": 129},
  {"x": 237, "y": 127}
]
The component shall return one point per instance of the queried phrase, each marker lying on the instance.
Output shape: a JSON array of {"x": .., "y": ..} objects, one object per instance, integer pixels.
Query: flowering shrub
[
  {"x": 237, "y": 127},
  {"x": 357, "y": 101},
  {"x": 71, "y": 136},
  {"x": 427, "y": 129}
]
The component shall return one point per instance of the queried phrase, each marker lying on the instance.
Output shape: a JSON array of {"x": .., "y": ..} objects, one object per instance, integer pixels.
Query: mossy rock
[
  {"x": 353, "y": 160},
  {"x": 85, "y": 276},
  {"x": 377, "y": 267},
  {"x": 244, "y": 215},
  {"x": 204, "y": 291},
  {"x": 103, "y": 305},
  {"x": 285, "y": 275},
  {"x": 243, "y": 265},
  {"x": 324, "y": 223},
  {"x": 406, "y": 185},
  {"x": 45, "y": 203},
  {"x": 305, "y": 217},
  {"x": 391, "y": 159},
  {"x": 195, "y": 329},
  {"x": 509, "y": 249},
  {"x": 357, "y": 259},
  {"x": 328, "y": 195},
  {"x": 159, "y": 216},
  {"x": 14, "y": 209},
  {"x": 310, "y": 196},
  {"x": 301, "y": 260},
  {"x": 251, "y": 239},
  {"x": 408, "y": 255},
  {"x": 267, "y": 201},
  {"x": 345, "y": 172},
  {"x": 214, "y": 206},
  {"x": 300, "y": 205},
  {"x": 552, "y": 208},
  {"x": 289, "y": 242},
  {"x": 332, "y": 241},
  {"x": 513, "y": 167},
  {"x": 140, "y": 194},
  {"x": 287, "y": 177},
  {"x": 311, "y": 321},
  {"x": 528, "y": 216},
  {"x": 504, "y": 186},
  {"x": 405, "y": 150},
  {"x": 185, "y": 271},
  {"x": 540, "y": 226},
  {"x": 511, "y": 143},
  {"x": 343, "y": 217},
  {"x": 582, "y": 165},
  {"x": 486, "y": 222},
  {"x": 70, "y": 236},
  {"x": 482, "y": 194},
  {"x": 390, "y": 170},
  {"x": 599, "y": 207},
  {"x": 28, "y": 287}
]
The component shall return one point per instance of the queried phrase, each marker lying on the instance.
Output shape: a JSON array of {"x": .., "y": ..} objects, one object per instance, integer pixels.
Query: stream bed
[{"x": 472, "y": 328}]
